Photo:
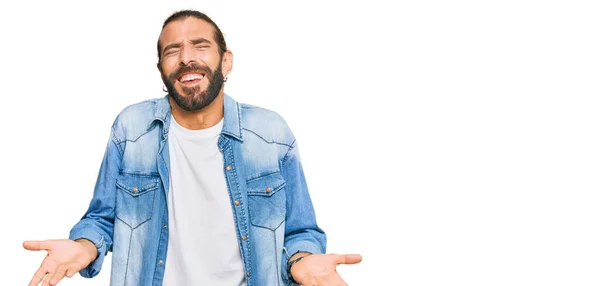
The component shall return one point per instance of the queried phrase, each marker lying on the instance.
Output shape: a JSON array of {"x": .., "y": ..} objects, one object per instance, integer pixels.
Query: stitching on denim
[
  {"x": 161, "y": 157},
  {"x": 117, "y": 217},
  {"x": 101, "y": 242},
  {"x": 287, "y": 154},
  {"x": 270, "y": 142},
  {"x": 121, "y": 148},
  {"x": 229, "y": 188},
  {"x": 139, "y": 174},
  {"x": 227, "y": 152},
  {"x": 245, "y": 227},
  {"x": 159, "y": 245},
  {"x": 286, "y": 253},
  {"x": 128, "y": 255},
  {"x": 268, "y": 200},
  {"x": 255, "y": 177},
  {"x": 263, "y": 193},
  {"x": 277, "y": 263},
  {"x": 142, "y": 190},
  {"x": 239, "y": 110},
  {"x": 138, "y": 137},
  {"x": 260, "y": 226},
  {"x": 117, "y": 142},
  {"x": 140, "y": 223}
]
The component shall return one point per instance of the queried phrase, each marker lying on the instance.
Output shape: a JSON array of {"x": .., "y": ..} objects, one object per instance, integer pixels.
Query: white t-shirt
[{"x": 203, "y": 247}]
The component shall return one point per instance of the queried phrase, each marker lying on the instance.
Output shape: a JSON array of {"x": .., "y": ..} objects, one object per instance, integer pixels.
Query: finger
[
  {"x": 38, "y": 276},
  {"x": 349, "y": 259},
  {"x": 36, "y": 245},
  {"x": 50, "y": 266},
  {"x": 57, "y": 276},
  {"x": 46, "y": 281},
  {"x": 71, "y": 272}
]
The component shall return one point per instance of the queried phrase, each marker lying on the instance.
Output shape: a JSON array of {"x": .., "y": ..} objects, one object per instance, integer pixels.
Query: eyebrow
[
  {"x": 194, "y": 42},
  {"x": 200, "y": 40}
]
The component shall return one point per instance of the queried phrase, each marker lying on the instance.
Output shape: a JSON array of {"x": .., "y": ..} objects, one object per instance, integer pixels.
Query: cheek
[
  {"x": 205, "y": 57},
  {"x": 209, "y": 58},
  {"x": 167, "y": 67}
]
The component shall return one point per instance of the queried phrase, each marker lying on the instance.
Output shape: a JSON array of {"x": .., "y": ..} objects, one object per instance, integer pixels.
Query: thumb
[
  {"x": 36, "y": 245},
  {"x": 349, "y": 259}
]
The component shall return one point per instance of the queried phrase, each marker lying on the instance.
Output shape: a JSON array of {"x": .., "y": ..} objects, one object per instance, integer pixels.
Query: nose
[{"x": 186, "y": 55}]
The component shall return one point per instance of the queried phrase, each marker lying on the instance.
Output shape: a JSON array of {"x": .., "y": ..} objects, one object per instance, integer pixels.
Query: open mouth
[{"x": 191, "y": 78}]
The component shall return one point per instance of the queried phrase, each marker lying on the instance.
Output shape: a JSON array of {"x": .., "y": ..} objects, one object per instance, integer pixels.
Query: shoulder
[
  {"x": 135, "y": 119},
  {"x": 265, "y": 124}
]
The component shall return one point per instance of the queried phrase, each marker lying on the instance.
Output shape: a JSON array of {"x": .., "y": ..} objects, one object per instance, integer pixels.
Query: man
[{"x": 195, "y": 188}]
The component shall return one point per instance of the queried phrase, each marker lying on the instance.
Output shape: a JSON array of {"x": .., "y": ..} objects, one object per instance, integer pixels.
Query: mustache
[{"x": 191, "y": 68}]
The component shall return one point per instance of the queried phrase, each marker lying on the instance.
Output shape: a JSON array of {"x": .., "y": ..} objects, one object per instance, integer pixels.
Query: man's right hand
[{"x": 65, "y": 258}]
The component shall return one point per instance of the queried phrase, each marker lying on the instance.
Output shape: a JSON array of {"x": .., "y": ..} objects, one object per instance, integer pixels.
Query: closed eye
[{"x": 171, "y": 52}]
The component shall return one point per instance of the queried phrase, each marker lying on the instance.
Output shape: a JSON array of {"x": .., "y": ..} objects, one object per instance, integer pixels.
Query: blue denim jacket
[{"x": 274, "y": 216}]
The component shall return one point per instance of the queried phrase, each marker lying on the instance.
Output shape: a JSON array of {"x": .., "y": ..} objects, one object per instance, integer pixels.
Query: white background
[{"x": 448, "y": 142}]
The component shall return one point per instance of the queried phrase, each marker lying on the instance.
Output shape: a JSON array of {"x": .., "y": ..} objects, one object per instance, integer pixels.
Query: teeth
[{"x": 189, "y": 77}]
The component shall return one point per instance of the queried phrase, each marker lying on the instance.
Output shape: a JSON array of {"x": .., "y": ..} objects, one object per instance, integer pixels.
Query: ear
[{"x": 227, "y": 62}]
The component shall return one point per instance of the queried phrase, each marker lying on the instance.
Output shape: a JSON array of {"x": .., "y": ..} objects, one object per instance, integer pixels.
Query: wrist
[
  {"x": 298, "y": 255},
  {"x": 294, "y": 259},
  {"x": 90, "y": 248}
]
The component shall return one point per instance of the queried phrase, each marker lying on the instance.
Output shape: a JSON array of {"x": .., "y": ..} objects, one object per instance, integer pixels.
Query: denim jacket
[{"x": 273, "y": 213}]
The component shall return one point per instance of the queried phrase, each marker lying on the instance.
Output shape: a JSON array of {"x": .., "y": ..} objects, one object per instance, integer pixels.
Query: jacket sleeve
[
  {"x": 301, "y": 231},
  {"x": 97, "y": 223}
]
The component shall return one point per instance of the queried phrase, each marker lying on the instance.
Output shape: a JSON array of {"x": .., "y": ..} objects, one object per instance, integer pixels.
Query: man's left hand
[{"x": 319, "y": 269}]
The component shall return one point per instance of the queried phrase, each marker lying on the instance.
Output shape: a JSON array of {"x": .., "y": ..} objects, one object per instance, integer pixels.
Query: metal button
[
  {"x": 248, "y": 273},
  {"x": 237, "y": 202},
  {"x": 228, "y": 168},
  {"x": 165, "y": 226},
  {"x": 268, "y": 190},
  {"x": 160, "y": 262},
  {"x": 244, "y": 237},
  {"x": 135, "y": 189}
]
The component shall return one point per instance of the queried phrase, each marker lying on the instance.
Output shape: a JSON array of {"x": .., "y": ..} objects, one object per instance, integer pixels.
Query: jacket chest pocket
[
  {"x": 135, "y": 198},
  {"x": 266, "y": 201}
]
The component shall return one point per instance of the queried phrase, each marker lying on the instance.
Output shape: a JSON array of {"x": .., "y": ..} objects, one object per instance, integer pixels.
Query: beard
[{"x": 194, "y": 99}]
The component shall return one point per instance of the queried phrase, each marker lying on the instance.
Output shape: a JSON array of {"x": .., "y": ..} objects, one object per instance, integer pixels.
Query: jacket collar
[{"x": 232, "y": 121}]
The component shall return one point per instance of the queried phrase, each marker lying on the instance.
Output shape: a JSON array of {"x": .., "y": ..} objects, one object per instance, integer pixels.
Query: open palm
[
  {"x": 65, "y": 258},
  {"x": 320, "y": 269}
]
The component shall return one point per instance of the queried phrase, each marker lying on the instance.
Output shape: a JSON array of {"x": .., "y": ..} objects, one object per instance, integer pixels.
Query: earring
[
  {"x": 165, "y": 89},
  {"x": 225, "y": 79}
]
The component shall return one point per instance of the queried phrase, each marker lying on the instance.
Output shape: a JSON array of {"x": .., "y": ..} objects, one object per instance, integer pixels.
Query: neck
[{"x": 204, "y": 118}]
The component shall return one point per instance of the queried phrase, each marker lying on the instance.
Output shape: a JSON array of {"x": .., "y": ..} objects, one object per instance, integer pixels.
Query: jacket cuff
[
  {"x": 98, "y": 240},
  {"x": 301, "y": 246}
]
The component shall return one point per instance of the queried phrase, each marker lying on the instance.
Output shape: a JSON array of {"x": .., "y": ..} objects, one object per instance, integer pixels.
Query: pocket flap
[
  {"x": 137, "y": 185},
  {"x": 265, "y": 185}
]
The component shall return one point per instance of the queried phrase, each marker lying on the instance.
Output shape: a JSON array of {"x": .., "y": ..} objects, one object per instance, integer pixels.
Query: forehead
[{"x": 186, "y": 29}]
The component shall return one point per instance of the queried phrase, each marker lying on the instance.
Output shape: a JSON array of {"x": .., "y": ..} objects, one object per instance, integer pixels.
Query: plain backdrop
[{"x": 448, "y": 142}]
